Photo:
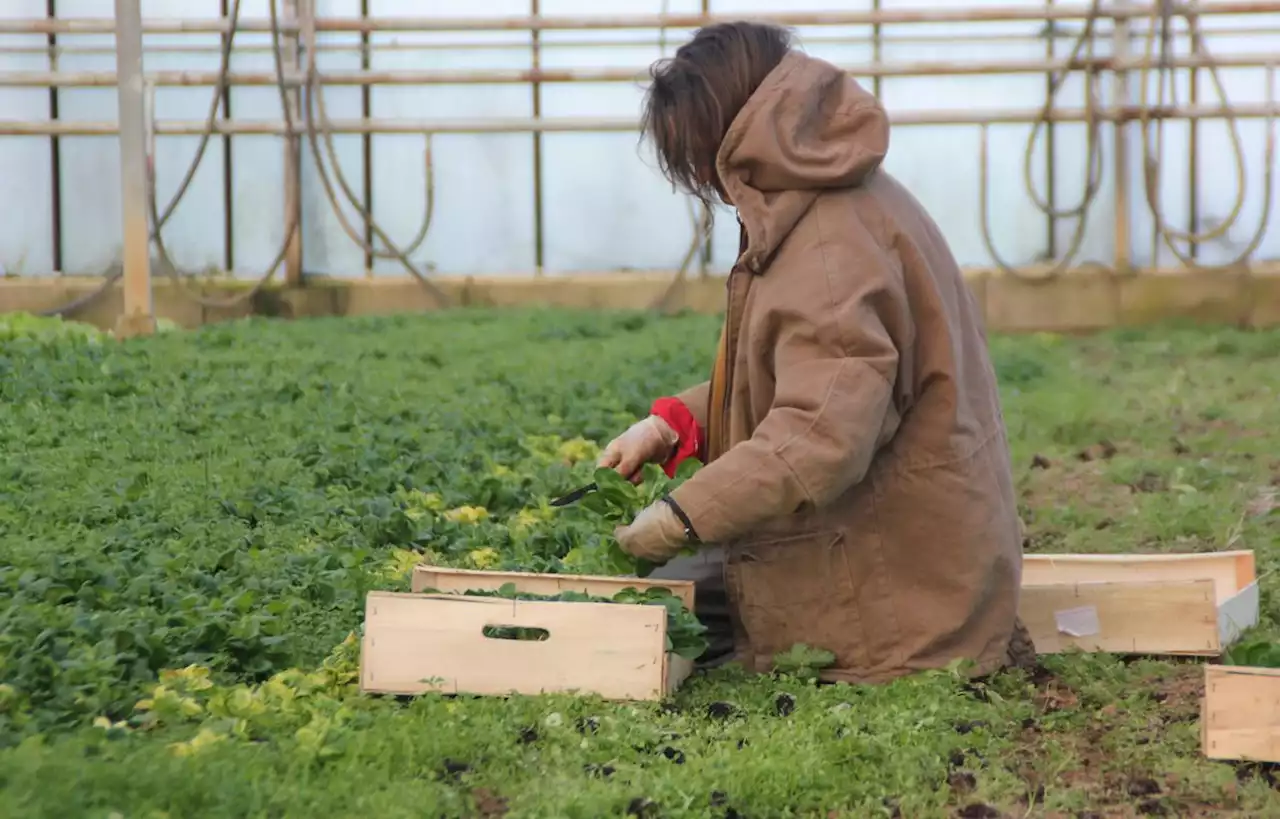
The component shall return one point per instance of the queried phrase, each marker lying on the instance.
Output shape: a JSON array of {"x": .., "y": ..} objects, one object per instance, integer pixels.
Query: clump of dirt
[
  {"x": 969, "y": 726},
  {"x": 962, "y": 782},
  {"x": 720, "y": 710},
  {"x": 454, "y": 770},
  {"x": 1052, "y": 694},
  {"x": 1104, "y": 450},
  {"x": 1143, "y": 786},
  {"x": 488, "y": 803},
  {"x": 1268, "y": 772},
  {"x": 1149, "y": 482}
]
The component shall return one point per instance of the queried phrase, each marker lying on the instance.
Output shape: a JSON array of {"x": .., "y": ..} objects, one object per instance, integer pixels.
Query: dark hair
[{"x": 696, "y": 94}]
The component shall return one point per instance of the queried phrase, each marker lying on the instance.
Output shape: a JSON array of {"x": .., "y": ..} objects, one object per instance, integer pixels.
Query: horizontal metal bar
[
  {"x": 970, "y": 37},
  {"x": 600, "y": 125},
  {"x": 86, "y": 79},
  {"x": 641, "y": 21}
]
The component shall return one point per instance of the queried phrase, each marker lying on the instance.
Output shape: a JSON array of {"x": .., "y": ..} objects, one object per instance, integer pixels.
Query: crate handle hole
[{"x": 522, "y": 633}]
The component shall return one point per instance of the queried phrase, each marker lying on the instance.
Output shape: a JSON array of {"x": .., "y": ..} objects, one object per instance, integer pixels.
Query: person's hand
[
  {"x": 650, "y": 440},
  {"x": 656, "y": 535}
]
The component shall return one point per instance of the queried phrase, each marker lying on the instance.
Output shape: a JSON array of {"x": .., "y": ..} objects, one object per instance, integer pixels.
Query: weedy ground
[{"x": 189, "y": 523}]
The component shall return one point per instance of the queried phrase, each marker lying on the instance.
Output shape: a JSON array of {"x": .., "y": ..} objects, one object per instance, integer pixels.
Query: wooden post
[
  {"x": 137, "y": 317},
  {"x": 1120, "y": 99},
  {"x": 293, "y": 148}
]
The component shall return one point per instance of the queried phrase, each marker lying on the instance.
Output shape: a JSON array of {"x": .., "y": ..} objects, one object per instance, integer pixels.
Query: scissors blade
[{"x": 575, "y": 495}]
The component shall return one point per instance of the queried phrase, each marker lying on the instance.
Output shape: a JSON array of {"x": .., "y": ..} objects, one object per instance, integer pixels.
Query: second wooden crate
[{"x": 1180, "y": 604}]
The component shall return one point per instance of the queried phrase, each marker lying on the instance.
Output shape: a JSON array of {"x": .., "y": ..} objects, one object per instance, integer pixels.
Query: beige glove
[
  {"x": 648, "y": 441},
  {"x": 656, "y": 534}
]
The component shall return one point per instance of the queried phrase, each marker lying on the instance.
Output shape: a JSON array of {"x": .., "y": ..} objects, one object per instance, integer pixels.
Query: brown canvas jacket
[{"x": 862, "y": 487}]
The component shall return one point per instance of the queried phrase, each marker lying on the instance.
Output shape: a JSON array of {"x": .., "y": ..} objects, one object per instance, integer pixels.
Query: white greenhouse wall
[{"x": 605, "y": 206}]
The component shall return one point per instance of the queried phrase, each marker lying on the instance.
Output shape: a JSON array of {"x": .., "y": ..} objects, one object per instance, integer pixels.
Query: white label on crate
[{"x": 1081, "y": 622}]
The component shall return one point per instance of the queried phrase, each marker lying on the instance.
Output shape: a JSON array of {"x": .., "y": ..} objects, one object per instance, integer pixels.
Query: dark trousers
[{"x": 711, "y": 601}]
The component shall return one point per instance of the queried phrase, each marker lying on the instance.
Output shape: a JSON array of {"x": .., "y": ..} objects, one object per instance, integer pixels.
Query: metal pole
[
  {"x": 945, "y": 13},
  {"x": 497, "y": 125},
  {"x": 137, "y": 317},
  {"x": 704, "y": 263},
  {"x": 1193, "y": 156},
  {"x": 366, "y": 147},
  {"x": 602, "y": 42},
  {"x": 228, "y": 172},
  {"x": 55, "y": 148},
  {"x": 1050, "y": 145},
  {"x": 539, "y": 224},
  {"x": 877, "y": 53},
  {"x": 876, "y": 70}
]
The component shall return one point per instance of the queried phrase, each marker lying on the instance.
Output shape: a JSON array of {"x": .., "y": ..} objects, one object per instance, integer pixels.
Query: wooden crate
[
  {"x": 415, "y": 642},
  {"x": 1181, "y": 604},
  {"x": 1240, "y": 713}
]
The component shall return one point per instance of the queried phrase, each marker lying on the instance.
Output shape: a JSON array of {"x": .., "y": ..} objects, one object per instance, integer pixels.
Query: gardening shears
[
  {"x": 580, "y": 493},
  {"x": 576, "y": 495}
]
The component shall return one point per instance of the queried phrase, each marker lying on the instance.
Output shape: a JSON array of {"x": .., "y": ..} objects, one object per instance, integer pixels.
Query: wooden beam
[{"x": 1081, "y": 301}]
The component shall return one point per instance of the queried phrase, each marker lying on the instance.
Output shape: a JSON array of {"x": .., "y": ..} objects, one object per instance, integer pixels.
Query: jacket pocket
[{"x": 797, "y": 589}]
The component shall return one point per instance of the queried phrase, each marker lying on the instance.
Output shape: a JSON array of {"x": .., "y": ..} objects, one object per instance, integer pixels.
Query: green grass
[{"x": 222, "y": 500}]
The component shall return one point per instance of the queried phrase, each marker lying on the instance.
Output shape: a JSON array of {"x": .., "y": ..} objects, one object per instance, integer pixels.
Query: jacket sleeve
[
  {"x": 695, "y": 398},
  {"x": 835, "y": 367}
]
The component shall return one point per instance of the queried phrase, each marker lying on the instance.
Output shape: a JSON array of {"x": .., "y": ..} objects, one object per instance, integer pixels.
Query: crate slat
[
  {"x": 1158, "y": 618},
  {"x": 1231, "y": 572},
  {"x": 460, "y": 580}
]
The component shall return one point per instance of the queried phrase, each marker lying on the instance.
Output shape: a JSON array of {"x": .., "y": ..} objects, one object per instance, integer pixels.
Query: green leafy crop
[
  {"x": 617, "y": 501},
  {"x": 1254, "y": 653},
  {"x": 20, "y": 326},
  {"x": 684, "y": 631},
  {"x": 802, "y": 661}
]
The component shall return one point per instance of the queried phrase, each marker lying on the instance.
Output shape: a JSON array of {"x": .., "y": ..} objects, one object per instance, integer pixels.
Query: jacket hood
[{"x": 809, "y": 127}]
